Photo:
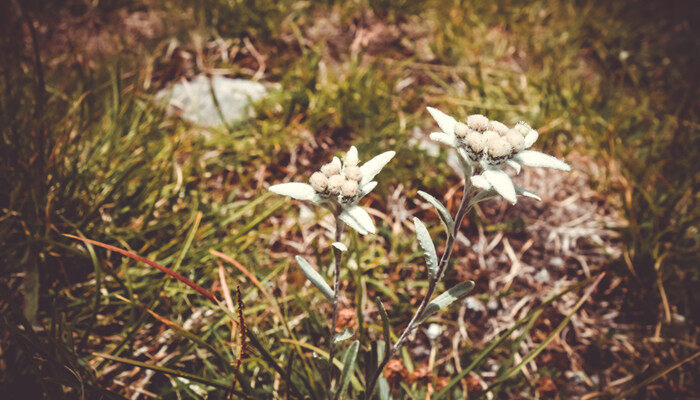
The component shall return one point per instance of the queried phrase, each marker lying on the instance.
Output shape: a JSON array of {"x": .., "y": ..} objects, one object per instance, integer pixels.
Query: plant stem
[
  {"x": 464, "y": 208},
  {"x": 337, "y": 254}
]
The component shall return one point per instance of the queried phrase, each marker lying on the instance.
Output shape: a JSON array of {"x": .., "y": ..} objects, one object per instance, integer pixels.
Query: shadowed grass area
[{"x": 85, "y": 151}]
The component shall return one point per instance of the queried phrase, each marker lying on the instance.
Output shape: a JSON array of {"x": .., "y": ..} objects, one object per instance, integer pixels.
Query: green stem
[
  {"x": 464, "y": 208},
  {"x": 337, "y": 254}
]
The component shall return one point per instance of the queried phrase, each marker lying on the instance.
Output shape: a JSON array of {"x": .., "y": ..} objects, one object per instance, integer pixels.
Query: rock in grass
[{"x": 193, "y": 101}]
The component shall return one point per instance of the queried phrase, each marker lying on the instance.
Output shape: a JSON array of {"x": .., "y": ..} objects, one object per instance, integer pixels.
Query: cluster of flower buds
[
  {"x": 492, "y": 141},
  {"x": 336, "y": 179}
]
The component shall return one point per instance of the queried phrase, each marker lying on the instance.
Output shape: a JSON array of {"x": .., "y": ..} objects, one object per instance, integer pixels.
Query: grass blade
[
  {"x": 655, "y": 377},
  {"x": 153, "y": 264},
  {"x": 97, "y": 298},
  {"x": 534, "y": 313},
  {"x": 530, "y": 356},
  {"x": 166, "y": 370},
  {"x": 188, "y": 241},
  {"x": 270, "y": 360},
  {"x": 324, "y": 354}
]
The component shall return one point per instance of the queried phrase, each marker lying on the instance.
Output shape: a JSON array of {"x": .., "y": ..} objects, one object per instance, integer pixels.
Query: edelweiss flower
[
  {"x": 339, "y": 186},
  {"x": 490, "y": 145}
]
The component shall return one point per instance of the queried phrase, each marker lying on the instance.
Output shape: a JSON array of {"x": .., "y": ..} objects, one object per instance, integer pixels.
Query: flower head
[
  {"x": 489, "y": 145},
  {"x": 339, "y": 186}
]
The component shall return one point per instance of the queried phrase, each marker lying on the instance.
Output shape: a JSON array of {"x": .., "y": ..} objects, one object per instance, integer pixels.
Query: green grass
[{"x": 85, "y": 152}]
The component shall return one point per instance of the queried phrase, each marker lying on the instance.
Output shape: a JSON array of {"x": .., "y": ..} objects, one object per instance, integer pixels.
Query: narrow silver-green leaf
[
  {"x": 348, "y": 367},
  {"x": 315, "y": 278},
  {"x": 445, "y": 216},
  {"x": 384, "y": 389},
  {"x": 343, "y": 335},
  {"x": 426, "y": 243},
  {"x": 483, "y": 196},
  {"x": 447, "y": 298},
  {"x": 489, "y": 194}
]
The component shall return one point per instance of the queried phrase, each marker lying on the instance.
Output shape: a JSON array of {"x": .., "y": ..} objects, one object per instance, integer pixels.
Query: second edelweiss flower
[
  {"x": 339, "y": 186},
  {"x": 491, "y": 144}
]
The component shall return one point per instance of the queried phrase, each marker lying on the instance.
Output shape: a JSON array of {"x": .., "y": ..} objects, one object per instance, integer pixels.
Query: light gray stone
[{"x": 193, "y": 101}]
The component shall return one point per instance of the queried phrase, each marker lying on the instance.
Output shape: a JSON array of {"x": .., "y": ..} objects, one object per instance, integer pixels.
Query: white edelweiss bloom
[
  {"x": 475, "y": 141},
  {"x": 491, "y": 136},
  {"x": 490, "y": 145},
  {"x": 340, "y": 185}
]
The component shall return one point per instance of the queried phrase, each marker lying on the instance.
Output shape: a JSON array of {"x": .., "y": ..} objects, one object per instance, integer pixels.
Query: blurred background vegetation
[{"x": 84, "y": 150}]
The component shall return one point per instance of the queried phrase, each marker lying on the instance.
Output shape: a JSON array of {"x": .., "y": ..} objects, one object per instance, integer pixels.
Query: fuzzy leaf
[
  {"x": 444, "y": 138},
  {"x": 445, "y": 216},
  {"x": 358, "y": 219},
  {"x": 532, "y": 158},
  {"x": 447, "y": 298},
  {"x": 527, "y": 193},
  {"x": 340, "y": 246},
  {"x": 491, "y": 193},
  {"x": 426, "y": 243},
  {"x": 348, "y": 367},
  {"x": 371, "y": 168},
  {"x": 315, "y": 278},
  {"x": 345, "y": 334},
  {"x": 444, "y": 121},
  {"x": 366, "y": 188},
  {"x": 384, "y": 389},
  {"x": 502, "y": 183},
  {"x": 295, "y": 190},
  {"x": 531, "y": 138},
  {"x": 351, "y": 157}
]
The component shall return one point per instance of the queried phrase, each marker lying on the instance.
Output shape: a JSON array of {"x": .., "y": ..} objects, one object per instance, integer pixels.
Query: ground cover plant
[{"x": 587, "y": 293}]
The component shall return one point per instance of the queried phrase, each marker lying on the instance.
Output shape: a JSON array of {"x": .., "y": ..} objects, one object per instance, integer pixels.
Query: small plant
[
  {"x": 484, "y": 147},
  {"x": 338, "y": 187}
]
